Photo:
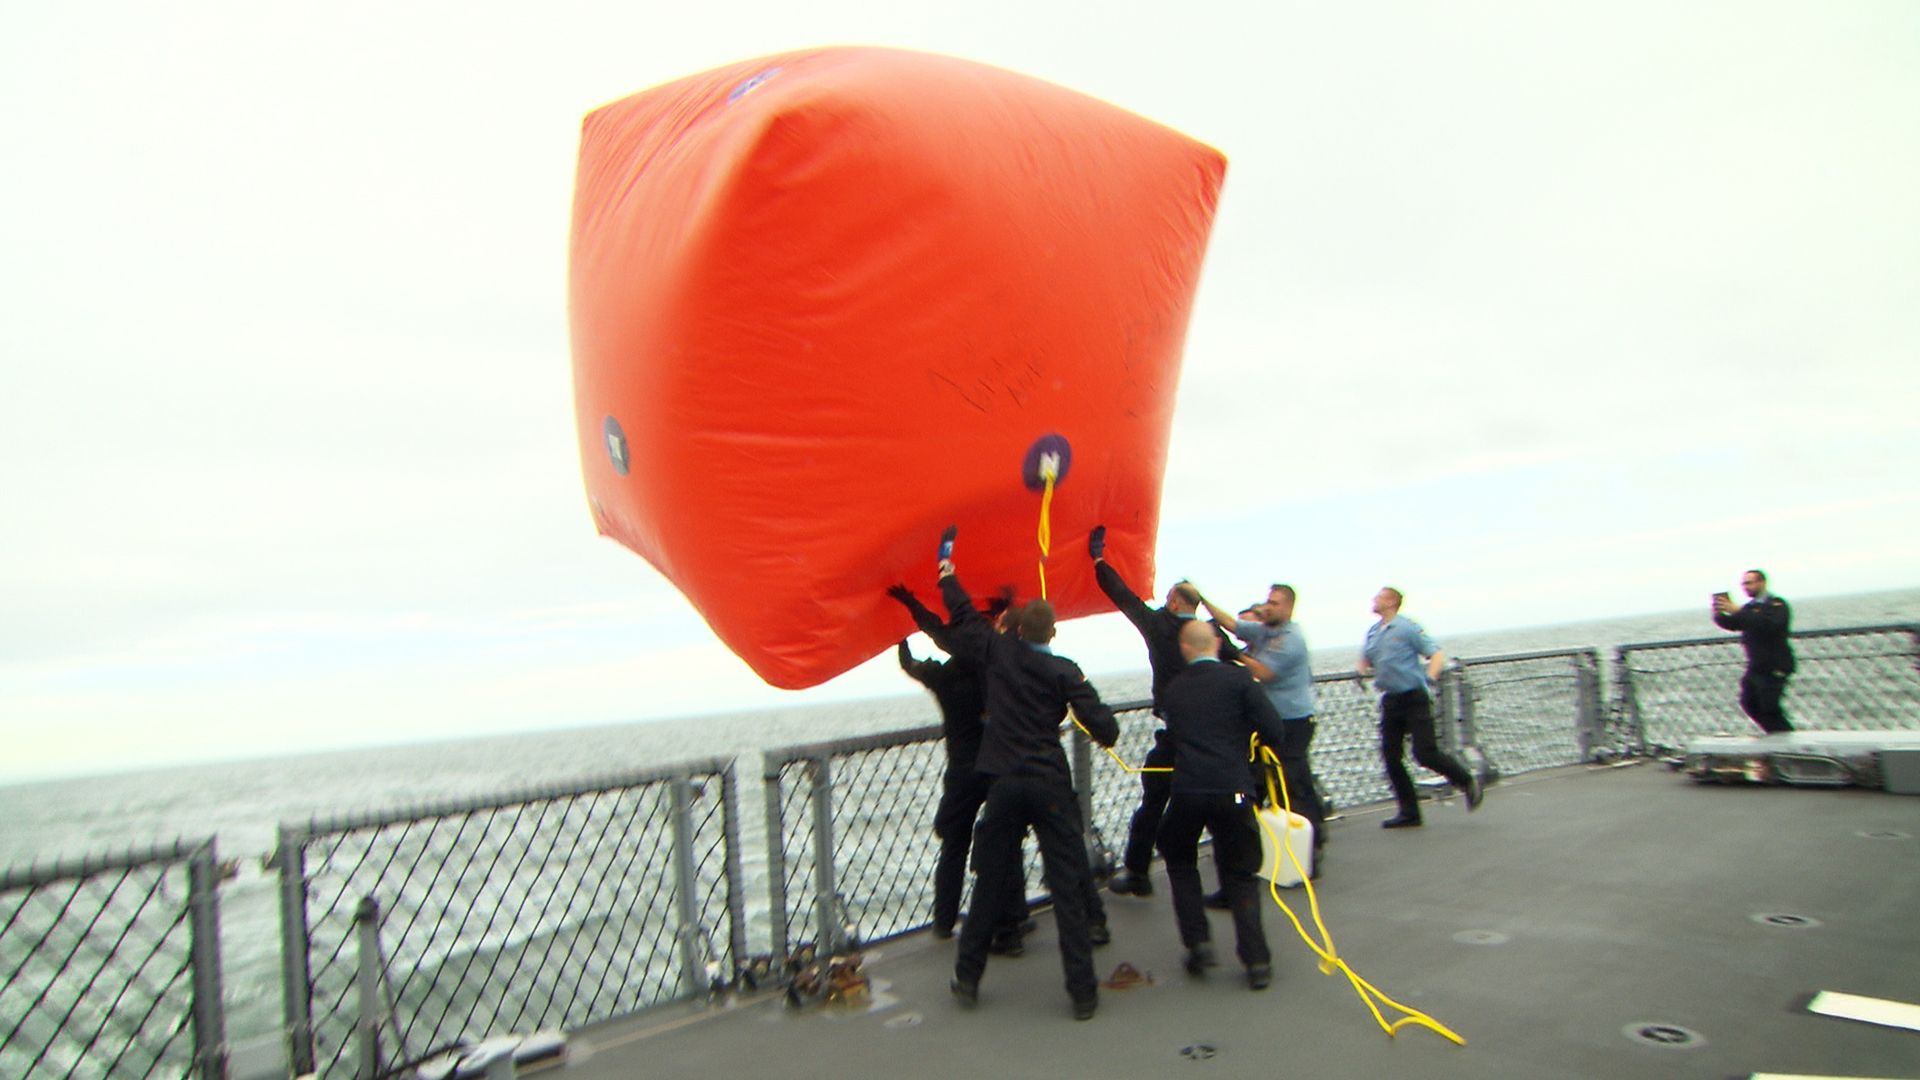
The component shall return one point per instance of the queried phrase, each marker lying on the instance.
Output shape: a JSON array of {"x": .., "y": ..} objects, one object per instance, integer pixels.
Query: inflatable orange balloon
[{"x": 826, "y": 303}]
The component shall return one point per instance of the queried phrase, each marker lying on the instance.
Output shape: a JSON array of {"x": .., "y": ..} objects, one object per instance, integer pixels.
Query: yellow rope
[
  {"x": 1324, "y": 948},
  {"x": 1049, "y": 472}
]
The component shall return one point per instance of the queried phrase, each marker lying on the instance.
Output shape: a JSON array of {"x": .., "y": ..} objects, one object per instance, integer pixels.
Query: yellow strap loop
[{"x": 1049, "y": 471}]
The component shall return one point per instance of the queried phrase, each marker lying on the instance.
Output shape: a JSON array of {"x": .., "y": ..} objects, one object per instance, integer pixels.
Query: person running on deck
[{"x": 1392, "y": 653}]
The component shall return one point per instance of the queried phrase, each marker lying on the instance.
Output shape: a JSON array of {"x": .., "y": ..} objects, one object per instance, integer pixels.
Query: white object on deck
[
  {"x": 1801, "y": 758},
  {"x": 1275, "y": 866},
  {"x": 1899, "y": 1014}
]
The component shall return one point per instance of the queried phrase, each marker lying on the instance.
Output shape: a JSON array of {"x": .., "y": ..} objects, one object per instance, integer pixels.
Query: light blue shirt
[
  {"x": 1283, "y": 649},
  {"x": 1396, "y": 650}
]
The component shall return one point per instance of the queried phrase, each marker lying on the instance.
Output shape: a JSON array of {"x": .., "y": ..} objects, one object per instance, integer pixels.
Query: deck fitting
[{"x": 1664, "y": 1036}]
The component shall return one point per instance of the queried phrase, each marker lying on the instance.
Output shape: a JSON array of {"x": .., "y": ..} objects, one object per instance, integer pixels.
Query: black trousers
[
  {"x": 1013, "y": 909},
  {"x": 1155, "y": 787},
  {"x": 1295, "y": 765},
  {"x": 962, "y": 791},
  {"x": 1760, "y": 694},
  {"x": 1048, "y": 807},
  {"x": 1236, "y": 848},
  {"x": 1410, "y": 713}
]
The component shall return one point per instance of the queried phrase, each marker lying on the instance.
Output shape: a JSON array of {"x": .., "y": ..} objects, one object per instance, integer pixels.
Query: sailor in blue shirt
[
  {"x": 1392, "y": 654},
  {"x": 1279, "y": 661}
]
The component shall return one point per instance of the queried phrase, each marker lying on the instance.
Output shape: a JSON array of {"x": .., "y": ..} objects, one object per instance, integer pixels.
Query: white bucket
[{"x": 1276, "y": 827}]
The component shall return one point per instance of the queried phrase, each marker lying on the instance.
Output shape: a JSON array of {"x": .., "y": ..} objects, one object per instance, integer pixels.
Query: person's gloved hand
[
  {"x": 946, "y": 543},
  {"x": 902, "y": 594},
  {"x": 1097, "y": 542}
]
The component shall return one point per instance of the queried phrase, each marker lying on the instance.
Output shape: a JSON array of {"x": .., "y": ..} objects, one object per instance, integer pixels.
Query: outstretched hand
[
  {"x": 1097, "y": 542},
  {"x": 902, "y": 594}
]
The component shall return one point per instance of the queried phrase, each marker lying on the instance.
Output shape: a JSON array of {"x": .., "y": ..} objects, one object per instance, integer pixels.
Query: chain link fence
[
  {"x": 548, "y": 909},
  {"x": 562, "y": 907},
  {"x": 1530, "y": 711},
  {"x": 112, "y": 967},
  {"x": 1853, "y": 679}
]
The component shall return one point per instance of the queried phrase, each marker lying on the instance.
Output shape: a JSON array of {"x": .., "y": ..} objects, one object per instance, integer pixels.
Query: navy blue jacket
[{"x": 1028, "y": 692}]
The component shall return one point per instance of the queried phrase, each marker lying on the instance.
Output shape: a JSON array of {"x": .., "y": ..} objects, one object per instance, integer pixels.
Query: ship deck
[{"x": 1575, "y": 912}]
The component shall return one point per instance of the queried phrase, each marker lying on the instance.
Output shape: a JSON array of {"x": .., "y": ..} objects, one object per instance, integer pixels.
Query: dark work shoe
[
  {"x": 1128, "y": 883},
  {"x": 967, "y": 991},
  {"x": 1314, "y": 873},
  {"x": 1218, "y": 900},
  {"x": 1084, "y": 1008},
  {"x": 1099, "y": 934},
  {"x": 1007, "y": 945},
  {"x": 943, "y": 932},
  {"x": 1259, "y": 976},
  {"x": 1200, "y": 958},
  {"x": 1475, "y": 793},
  {"x": 1401, "y": 821}
]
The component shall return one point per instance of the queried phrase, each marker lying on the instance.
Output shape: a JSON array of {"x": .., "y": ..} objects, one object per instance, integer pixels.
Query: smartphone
[{"x": 1719, "y": 596}]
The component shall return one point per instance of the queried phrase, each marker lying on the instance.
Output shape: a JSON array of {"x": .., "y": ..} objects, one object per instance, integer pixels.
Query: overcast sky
[{"x": 1543, "y": 312}]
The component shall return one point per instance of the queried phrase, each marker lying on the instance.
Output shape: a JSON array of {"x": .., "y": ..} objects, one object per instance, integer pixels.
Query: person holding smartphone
[{"x": 1764, "y": 623}]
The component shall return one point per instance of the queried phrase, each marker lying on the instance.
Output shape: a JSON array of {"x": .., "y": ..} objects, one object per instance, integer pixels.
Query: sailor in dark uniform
[
  {"x": 1160, "y": 628},
  {"x": 1212, "y": 708},
  {"x": 959, "y": 686},
  {"x": 1029, "y": 690},
  {"x": 1764, "y": 622}
]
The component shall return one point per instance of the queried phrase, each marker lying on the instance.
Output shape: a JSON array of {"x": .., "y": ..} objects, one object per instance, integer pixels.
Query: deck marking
[
  {"x": 1881, "y": 1011},
  {"x": 1812, "y": 1076}
]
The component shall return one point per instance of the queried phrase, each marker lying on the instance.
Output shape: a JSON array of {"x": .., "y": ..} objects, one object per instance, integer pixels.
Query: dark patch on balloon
[
  {"x": 748, "y": 86},
  {"x": 1053, "y": 449},
  {"x": 616, "y": 445}
]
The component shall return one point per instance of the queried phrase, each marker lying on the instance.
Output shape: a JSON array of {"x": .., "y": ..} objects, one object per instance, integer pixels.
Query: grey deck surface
[{"x": 1626, "y": 897}]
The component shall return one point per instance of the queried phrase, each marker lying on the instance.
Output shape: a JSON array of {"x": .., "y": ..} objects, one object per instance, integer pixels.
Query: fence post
[
  {"x": 826, "y": 889},
  {"x": 209, "y": 1013},
  {"x": 366, "y": 926},
  {"x": 1447, "y": 718},
  {"x": 776, "y": 865},
  {"x": 1586, "y": 730},
  {"x": 1636, "y": 724},
  {"x": 297, "y": 1002},
  {"x": 736, "y": 877},
  {"x": 686, "y": 890}
]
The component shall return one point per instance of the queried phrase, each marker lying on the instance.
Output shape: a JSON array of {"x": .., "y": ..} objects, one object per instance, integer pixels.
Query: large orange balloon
[{"x": 826, "y": 303}]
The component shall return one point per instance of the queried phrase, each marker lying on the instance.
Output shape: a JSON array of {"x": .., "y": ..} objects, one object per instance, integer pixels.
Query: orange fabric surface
[{"x": 823, "y": 303}]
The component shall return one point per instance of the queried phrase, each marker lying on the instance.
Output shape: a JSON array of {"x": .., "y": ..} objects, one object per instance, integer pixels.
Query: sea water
[{"x": 243, "y": 803}]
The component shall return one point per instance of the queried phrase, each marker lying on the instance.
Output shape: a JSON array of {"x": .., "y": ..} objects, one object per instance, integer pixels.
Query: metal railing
[
  {"x": 112, "y": 967},
  {"x": 547, "y": 909},
  {"x": 850, "y": 820},
  {"x": 1528, "y": 711},
  {"x": 1853, "y": 679},
  {"x": 565, "y": 906}
]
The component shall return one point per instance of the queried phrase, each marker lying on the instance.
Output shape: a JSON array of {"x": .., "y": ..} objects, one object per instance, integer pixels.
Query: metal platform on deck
[{"x": 1609, "y": 922}]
